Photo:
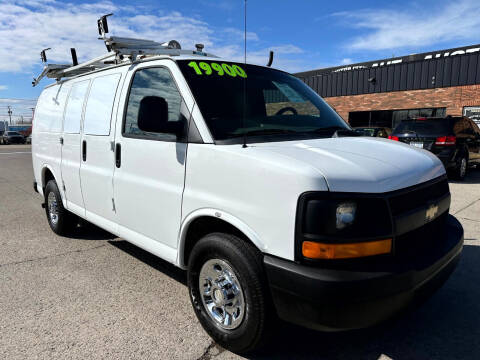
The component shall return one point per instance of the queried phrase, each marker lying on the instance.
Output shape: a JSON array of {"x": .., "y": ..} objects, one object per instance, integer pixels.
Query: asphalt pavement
[{"x": 94, "y": 296}]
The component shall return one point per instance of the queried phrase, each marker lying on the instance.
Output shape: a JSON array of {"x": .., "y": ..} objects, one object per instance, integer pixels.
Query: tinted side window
[
  {"x": 152, "y": 82},
  {"x": 461, "y": 127},
  {"x": 469, "y": 129},
  {"x": 98, "y": 112},
  {"x": 73, "y": 111},
  {"x": 476, "y": 129}
]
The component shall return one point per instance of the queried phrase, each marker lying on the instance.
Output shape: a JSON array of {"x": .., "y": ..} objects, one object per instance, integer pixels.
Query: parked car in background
[
  {"x": 374, "y": 131},
  {"x": 12, "y": 137},
  {"x": 455, "y": 140}
]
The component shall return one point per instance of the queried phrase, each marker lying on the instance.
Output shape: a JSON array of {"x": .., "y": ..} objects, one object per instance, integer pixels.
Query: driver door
[{"x": 150, "y": 166}]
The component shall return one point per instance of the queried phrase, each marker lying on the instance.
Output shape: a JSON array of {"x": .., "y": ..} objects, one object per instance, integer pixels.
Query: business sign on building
[
  {"x": 473, "y": 112},
  {"x": 447, "y": 53}
]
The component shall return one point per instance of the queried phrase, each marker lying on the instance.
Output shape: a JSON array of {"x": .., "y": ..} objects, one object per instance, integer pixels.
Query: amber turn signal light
[{"x": 314, "y": 250}]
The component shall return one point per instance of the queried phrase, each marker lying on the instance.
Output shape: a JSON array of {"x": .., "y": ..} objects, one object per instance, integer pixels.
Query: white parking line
[{"x": 15, "y": 152}]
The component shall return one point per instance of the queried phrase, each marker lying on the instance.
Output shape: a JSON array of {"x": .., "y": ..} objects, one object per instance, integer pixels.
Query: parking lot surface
[{"x": 96, "y": 296}]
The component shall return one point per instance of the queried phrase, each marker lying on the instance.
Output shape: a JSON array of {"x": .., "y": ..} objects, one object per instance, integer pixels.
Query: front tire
[
  {"x": 229, "y": 292},
  {"x": 61, "y": 221}
]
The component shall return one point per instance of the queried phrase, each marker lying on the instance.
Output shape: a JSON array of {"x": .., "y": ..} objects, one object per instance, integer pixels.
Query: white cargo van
[{"x": 246, "y": 178}]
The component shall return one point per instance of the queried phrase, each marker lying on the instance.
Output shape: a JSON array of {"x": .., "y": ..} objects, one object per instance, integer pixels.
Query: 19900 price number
[{"x": 217, "y": 69}]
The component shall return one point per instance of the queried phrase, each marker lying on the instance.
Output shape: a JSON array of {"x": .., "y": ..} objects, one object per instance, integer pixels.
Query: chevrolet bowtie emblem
[{"x": 431, "y": 212}]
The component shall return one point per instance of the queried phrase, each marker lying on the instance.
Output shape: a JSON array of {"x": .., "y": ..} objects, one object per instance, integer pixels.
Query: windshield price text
[{"x": 219, "y": 69}]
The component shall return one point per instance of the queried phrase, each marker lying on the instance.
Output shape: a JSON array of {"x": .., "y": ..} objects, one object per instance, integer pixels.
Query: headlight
[
  {"x": 345, "y": 214},
  {"x": 333, "y": 221}
]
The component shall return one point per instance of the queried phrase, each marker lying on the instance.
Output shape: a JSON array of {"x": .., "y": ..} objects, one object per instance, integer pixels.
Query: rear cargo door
[
  {"x": 71, "y": 149},
  {"x": 97, "y": 156}
]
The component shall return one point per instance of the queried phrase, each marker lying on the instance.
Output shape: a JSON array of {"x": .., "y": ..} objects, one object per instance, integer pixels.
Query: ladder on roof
[{"x": 120, "y": 49}]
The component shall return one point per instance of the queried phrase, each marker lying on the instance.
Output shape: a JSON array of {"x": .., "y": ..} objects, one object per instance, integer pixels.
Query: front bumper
[{"x": 335, "y": 299}]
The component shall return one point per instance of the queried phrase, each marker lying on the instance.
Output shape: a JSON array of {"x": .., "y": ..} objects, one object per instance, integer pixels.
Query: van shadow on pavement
[
  {"x": 152, "y": 260},
  {"x": 446, "y": 326},
  {"x": 87, "y": 231}
]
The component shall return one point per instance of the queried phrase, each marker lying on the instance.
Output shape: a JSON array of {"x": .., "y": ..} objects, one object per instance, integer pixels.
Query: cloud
[
  {"x": 28, "y": 26},
  {"x": 239, "y": 35},
  {"x": 3, "y": 87},
  {"x": 414, "y": 27},
  {"x": 5, "y": 101},
  {"x": 346, "y": 61},
  {"x": 285, "y": 56}
]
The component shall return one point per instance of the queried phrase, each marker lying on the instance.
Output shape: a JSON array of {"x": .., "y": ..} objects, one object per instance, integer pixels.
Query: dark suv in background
[
  {"x": 12, "y": 137},
  {"x": 455, "y": 140}
]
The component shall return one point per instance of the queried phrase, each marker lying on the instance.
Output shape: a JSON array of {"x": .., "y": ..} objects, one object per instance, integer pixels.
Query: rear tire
[
  {"x": 229, "y": 292},
  {"x": 460, "y": 170},
  {"x": 61, "y": 221}
]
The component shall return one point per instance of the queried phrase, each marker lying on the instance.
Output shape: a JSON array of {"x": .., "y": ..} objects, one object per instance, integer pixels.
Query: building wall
[{"x": 452, "y": 98}]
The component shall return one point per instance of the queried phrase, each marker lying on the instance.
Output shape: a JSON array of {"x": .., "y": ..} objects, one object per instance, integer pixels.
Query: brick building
[{"x": 384, "y": 92}]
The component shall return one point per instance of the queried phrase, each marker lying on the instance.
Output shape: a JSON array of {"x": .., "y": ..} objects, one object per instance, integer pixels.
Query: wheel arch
[
  {"x": 205, "y": 221},
  {"x": 48, "y": 174}
]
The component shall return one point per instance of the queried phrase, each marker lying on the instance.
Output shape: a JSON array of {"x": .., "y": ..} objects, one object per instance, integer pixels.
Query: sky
[{"x": 304, "y": 34}]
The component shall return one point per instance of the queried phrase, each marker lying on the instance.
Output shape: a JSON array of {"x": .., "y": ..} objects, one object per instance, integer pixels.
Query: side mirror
[{"x": 153, "y": 117}]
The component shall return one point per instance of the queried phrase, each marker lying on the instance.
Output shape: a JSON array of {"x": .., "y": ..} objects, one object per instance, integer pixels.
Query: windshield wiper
[
  {"x": 327, "y": 129},
  {"x": 264, "y": 132},
  {"x": 335, "y": 131}
]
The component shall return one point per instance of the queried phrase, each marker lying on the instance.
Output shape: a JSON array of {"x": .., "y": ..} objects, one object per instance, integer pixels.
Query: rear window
[
  {"x": 424, "y": 127},
  {"x": 73, "y": 110},
  {"x": 49, "y": 111},
  {"x": 13, "y": 133},
  {"x": 98, "y": 112}
]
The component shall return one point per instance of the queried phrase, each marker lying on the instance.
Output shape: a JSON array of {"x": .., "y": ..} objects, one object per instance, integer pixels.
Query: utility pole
[
  {"x": 9, "y": 114},
  {"x": 33, "y": 114}
]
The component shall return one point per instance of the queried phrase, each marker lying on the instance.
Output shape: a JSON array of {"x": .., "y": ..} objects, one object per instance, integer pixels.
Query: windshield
[
  {"x": 276, "y": 103},
  {"x": 13, "y": 133},
  {"x": 424, "y": 127}
]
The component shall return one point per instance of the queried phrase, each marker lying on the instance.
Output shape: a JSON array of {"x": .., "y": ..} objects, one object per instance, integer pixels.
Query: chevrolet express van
[{"x": 246, "y": 178}]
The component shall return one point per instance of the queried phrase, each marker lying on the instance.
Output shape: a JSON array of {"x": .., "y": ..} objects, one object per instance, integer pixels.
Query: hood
[{"x": 359, "y": 164}]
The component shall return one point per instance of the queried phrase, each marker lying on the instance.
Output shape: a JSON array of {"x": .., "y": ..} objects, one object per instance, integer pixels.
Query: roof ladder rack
[{"x": 119, "y": 49}]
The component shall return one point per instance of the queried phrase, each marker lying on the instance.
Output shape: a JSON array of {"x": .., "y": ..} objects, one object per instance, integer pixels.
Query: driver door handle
[
  {"x": 84, "y": 150},
  {"x": 118, "y": 155}
]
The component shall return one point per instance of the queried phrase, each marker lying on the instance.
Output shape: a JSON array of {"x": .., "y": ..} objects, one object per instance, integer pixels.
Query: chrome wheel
[
  {"x": 463, "y": 167},
  {"x": 221, "y": 293},
  {"x": 52, "y": 208}
]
